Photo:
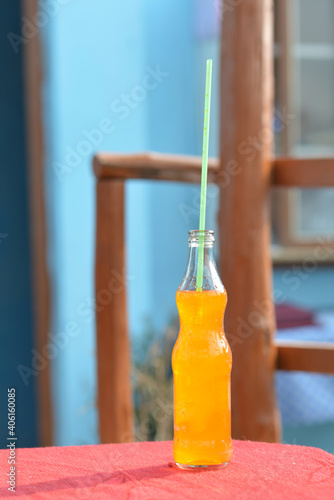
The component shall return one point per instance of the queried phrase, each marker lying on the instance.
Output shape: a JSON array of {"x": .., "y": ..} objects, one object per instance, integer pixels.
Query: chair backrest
[{"x": 244, "y": 223}]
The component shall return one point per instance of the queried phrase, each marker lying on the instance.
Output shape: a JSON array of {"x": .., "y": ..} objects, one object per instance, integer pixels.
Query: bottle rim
[{"x": 195, "y": 234}]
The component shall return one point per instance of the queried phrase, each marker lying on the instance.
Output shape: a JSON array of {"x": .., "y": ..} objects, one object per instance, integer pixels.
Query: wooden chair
[{"x": 244, "y": 222}]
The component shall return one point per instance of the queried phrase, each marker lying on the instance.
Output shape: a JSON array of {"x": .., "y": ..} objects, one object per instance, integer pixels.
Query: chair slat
[
  {"x": 154, "y": 166},
  {"x": 305, "y": 356},
  {"x": 286, "y": 172},
  {"x": 303, "y": 172}
]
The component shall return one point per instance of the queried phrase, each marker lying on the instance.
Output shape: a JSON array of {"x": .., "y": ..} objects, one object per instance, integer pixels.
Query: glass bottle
[{"x": 201, "y": 363}]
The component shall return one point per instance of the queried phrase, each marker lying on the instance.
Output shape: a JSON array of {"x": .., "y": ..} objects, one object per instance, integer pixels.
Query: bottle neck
[{"x": 211, "y": 279}]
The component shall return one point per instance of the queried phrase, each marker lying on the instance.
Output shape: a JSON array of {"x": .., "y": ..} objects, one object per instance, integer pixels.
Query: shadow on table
[{"x": 87, "y": 484}]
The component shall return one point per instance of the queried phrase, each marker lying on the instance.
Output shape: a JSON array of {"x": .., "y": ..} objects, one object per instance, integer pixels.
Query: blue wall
[
  {"x": 96, "y": 54},
  {"x": 88, "y": 69}
]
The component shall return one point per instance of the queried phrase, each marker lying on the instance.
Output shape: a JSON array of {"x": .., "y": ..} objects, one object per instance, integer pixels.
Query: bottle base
[{"x": 201, "y": 467}]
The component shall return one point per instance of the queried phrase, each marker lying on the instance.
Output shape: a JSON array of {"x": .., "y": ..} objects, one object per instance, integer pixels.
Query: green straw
[{"x": 204, "y": 179}]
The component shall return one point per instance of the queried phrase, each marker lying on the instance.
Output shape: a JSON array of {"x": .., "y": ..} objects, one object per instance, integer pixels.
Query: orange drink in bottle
[{"x": 202, "y": 363}]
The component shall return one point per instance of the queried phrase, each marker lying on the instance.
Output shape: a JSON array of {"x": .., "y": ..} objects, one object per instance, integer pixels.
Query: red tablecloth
[{"x": 139, "y": 471}]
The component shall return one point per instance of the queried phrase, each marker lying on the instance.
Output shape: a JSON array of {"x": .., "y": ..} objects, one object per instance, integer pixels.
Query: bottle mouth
[{"x": 195, "y": 236}]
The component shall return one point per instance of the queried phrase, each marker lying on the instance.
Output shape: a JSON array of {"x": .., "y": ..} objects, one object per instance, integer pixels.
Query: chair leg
[{"x": 113, "y": 357}]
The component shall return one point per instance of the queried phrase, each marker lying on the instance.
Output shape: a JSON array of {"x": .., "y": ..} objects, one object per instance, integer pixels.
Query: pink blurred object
[{"x": 288, "y": 316}]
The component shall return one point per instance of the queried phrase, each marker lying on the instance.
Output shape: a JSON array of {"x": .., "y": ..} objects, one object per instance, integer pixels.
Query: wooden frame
[
  {"x": 287, "y": 205},
  {"x": 41, "y": 287}
]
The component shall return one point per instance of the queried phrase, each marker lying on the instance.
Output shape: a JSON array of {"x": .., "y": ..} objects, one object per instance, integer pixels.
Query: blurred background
[{"x": 75, "y": 81}]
